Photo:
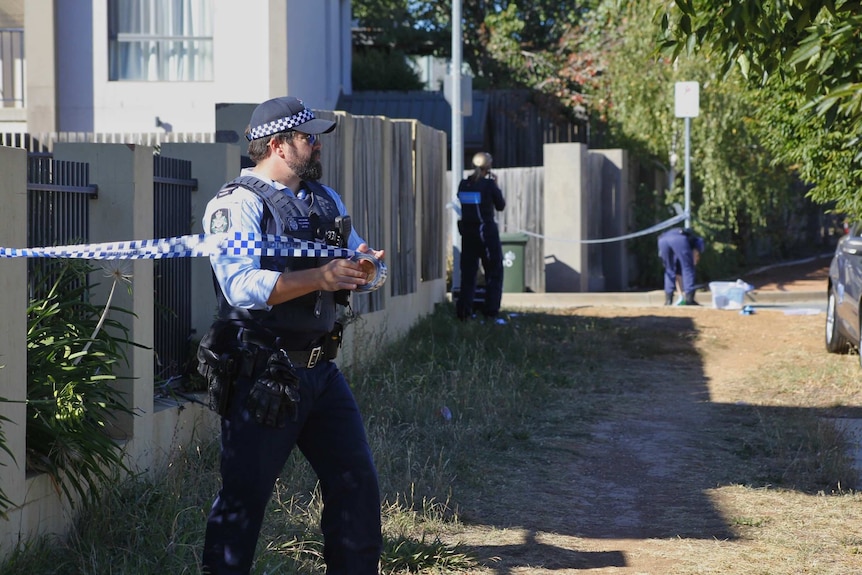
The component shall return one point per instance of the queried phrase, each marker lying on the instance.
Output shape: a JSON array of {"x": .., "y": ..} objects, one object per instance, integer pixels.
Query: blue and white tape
[{"x": 204, "y": 245}]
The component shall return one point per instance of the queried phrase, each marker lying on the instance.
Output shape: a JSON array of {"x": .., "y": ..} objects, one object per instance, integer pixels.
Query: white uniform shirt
[{"x": 242, "y": 281}]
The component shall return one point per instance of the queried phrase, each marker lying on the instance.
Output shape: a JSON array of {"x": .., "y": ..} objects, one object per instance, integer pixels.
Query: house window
[{"x": 160, "y": 40}]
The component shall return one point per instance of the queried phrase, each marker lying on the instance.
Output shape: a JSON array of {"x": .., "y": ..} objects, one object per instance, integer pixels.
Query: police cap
[{"x": 283, "y": 114}]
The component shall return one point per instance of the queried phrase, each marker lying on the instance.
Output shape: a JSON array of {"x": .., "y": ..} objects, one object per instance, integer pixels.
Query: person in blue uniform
[
  {"x": 679, "y": 250},
  {"x": 277, "y": 323},
  {"x": 480, "y": 197}
]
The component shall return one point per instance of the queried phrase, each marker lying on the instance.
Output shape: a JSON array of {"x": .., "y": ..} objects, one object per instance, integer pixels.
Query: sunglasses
[{"x": 310, "y": 138}]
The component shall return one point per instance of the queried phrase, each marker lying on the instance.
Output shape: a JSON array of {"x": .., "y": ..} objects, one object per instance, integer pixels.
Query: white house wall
[
  {"x": 248, "y": 65},
  {"x": 316, "y": 34}
]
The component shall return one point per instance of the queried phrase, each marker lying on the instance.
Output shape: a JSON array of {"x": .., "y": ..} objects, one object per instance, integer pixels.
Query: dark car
[{"x": 845, "y": 293}]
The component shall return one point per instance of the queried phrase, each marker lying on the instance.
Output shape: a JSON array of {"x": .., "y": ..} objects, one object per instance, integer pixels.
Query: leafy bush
[{"x": 72, "y": 349}]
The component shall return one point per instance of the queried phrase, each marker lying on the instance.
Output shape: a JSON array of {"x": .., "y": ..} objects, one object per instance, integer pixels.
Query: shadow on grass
[{"x": 630, "y": 445}]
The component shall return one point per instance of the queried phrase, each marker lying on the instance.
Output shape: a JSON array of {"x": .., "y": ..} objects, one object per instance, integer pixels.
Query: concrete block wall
[{"x": 588, "y": 195}]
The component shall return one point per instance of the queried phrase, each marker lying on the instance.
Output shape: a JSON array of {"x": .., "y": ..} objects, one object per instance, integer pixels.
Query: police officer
[
  {"x": 285, "y": 391},
  {"x": 679, "y": 250},
  {"x": 479, "y": 196}
]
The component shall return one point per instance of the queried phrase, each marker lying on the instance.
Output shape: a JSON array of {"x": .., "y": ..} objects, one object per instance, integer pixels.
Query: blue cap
[{"x": 283, "y": 114}]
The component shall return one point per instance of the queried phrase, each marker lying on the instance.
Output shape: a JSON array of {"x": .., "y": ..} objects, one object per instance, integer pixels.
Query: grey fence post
[
  {"x": 614, "y": 172},
  {"x": 13, "y": 336},
  {"x": 566, "y": 217},
  {"x": 123, "y": 210}
]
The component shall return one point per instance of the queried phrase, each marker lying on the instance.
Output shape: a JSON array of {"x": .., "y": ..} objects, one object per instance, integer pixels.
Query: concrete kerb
[
  {"x": 766, "y": 299},
  {"x": 757, "y": 299}
]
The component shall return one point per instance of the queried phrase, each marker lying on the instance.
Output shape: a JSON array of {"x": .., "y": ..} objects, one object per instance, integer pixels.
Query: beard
[{"x": 310, "y": 169}]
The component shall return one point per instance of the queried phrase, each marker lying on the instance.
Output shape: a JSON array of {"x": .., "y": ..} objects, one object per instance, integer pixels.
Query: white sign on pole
[
  {"x": 687, "y": 99},
  {"x": 466, "y": 93}
]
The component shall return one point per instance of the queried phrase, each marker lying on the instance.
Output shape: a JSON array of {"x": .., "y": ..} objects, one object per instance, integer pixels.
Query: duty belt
[{"x": 307, "y": 358}]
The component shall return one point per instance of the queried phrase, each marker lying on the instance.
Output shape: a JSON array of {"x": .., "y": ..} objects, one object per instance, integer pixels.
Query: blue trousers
[
  {"x": 480, "y": 242},
  {"x": 330, "y": 434},
  {"x": 677, "y": 257}
]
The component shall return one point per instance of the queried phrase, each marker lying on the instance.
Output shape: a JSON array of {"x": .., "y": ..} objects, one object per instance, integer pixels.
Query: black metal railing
[
  {"x": 58, "y": 204},
  {"x": 172, "y": 188}
]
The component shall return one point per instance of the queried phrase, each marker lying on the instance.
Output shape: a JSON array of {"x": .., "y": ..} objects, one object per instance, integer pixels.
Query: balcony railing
[{"x": 12, "y": 67}]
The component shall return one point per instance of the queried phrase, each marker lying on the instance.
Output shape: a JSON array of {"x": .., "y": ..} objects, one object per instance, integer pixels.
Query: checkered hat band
[
  {"x": 280, "y": 125},
  {"x": 201, "y": 245}
]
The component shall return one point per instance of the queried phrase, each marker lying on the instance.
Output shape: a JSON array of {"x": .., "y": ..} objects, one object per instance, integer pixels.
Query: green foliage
[
  {"x": 805, "y": 53},
  {"x": 648, "y": 208},
  {"x": 636, "y": 98},
  {"x": 744, "y": 200},
  {"x": 407, "y": 26},
  {"x": 817, "y": 150},
  {"x": 377, "y": 69},
  {"x": 412, "y": 555},
  {"x": 508, "y": 44},
  {"x": 71, "y": 399}
]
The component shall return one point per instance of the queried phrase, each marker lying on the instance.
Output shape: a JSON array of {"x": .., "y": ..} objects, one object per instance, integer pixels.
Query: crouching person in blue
[
  {"x": 679, "y": 250},
  {"x": 268, "y": 358}
]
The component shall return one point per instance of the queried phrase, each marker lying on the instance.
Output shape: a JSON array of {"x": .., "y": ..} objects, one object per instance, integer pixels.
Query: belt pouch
[{"x": 332, "y": 341}]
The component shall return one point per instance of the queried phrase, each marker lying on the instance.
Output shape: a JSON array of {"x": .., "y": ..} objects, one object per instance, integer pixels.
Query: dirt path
[{"x": 654, "y": 486}]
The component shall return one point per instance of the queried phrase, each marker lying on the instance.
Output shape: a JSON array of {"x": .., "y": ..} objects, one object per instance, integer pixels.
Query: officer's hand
[
  {"x": 378, "y": 254},
  {"x": 343, "y": 274}
]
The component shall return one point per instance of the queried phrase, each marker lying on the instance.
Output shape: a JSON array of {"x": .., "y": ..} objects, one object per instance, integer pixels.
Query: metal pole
[
  {"x": 687, "y": 172},
  {"x": 457, "y": 145}
]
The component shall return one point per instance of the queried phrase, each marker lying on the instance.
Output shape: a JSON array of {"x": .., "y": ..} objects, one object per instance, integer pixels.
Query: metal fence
[
  {"x": 58, "y": 197},
  {"x": 59, "y": 193},
  {"x": 44, "y": 141},
  {"x": 172, "y": 210}
]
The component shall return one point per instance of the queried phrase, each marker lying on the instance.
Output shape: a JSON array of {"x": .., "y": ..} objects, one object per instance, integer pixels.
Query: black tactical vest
[
  {"x": 479, "y": 208},
  {"x": 301, "y": 321}
]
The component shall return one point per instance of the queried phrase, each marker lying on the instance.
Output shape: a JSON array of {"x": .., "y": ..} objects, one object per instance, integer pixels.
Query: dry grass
[
  {"x": 716, "y": 455},
  {"x": 601, "y": 440}
]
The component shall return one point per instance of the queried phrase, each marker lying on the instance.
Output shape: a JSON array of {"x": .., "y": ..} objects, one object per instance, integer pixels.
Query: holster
[{"x": 218, "y": 362}]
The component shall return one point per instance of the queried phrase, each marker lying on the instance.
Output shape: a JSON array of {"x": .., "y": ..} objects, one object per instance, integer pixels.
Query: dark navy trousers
[
  {"x": 330, "y": 434},
  {"x": 480, "y": 242},
  {"x": 677, "y": 256}
]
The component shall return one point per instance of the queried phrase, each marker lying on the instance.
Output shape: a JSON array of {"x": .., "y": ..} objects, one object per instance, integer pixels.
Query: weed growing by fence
[{"x": 73, "y": 348}]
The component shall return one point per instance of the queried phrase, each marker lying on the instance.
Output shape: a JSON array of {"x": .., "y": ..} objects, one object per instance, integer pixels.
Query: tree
[
  {"x": 410, "y": 27},
  {"x": 507, "y": 43},
  {"x": 805, "y": 54},
  {"x": 382, "y": 69},
  {"x": 739, "y": 190}
]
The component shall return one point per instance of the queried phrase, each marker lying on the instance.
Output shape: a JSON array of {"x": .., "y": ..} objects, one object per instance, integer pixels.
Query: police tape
[
  {"x": 651, "y": 230},
  {"x": 205, "y": 245}
]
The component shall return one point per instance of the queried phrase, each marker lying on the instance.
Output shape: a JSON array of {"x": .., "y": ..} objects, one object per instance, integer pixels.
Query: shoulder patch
[{"x": 220, "y": 221}]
